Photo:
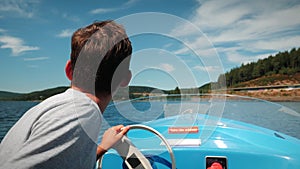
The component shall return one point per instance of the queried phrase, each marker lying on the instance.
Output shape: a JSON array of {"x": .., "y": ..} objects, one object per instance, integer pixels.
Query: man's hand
[{"x": 110, "y": 138}]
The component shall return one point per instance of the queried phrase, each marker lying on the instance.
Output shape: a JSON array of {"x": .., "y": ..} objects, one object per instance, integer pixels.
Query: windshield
[{"x": 216, "y": 107}]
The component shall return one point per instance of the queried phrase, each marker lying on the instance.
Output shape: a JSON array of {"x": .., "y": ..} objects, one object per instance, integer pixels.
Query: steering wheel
[{"x": 132, "y": 157}]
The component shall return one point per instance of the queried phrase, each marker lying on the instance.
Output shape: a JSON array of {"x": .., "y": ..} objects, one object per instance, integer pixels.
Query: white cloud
[
  {"x": 219, "y": 13},
  {"x": 276, "y": 44},
  {"x": 168, "y": 45},
  {"x": 65, "y": 33},
  {"x": 242, "y": 30},
  {"x": 131, "y": 2},
  {"x": 207, "y": 68},
  {"x": 182, "y": 51},
  {"x": 107, "y": 10},
  {"x": 167, "y": 67},
  {"x": 16, "y": 45},
  {"x": 236, "y": 57},
  {"x": 246, "y": 16},
  {"x": 199, "y": 45},
  {"x": 36, "y": 58},
  {"x": 70, "y": 17},
  {"x": 103, "y": 10},
  {"x": 18, "y": 8},
  {"x": 261, "y": 26},
  {"x": 200, "y": 52}
]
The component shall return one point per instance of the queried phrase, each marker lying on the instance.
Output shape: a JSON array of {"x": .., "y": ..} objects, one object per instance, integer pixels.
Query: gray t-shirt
[{"x": 60, "y": 132}]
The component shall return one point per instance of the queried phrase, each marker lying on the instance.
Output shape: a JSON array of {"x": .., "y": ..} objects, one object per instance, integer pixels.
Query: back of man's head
[{"x": 98, "y": 50}]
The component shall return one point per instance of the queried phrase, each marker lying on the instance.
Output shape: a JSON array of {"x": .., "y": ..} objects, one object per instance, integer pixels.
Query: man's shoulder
[{"x": 69, "y": 102}]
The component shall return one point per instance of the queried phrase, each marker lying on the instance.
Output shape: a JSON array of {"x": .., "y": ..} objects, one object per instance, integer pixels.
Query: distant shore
[
  {"x": 274, "y": 95},
  {"x": 282, "y": 99}
]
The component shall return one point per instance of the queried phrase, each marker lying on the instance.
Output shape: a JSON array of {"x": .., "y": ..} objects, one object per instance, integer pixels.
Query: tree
[{"x": 283, "y": 62}]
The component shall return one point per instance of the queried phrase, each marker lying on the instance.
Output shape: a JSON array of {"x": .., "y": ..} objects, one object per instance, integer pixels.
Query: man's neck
[{"x": 101, "y": 100}]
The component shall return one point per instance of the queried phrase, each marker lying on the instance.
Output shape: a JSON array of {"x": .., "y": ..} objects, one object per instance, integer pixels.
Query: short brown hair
[{"x": 108, "y": 42}]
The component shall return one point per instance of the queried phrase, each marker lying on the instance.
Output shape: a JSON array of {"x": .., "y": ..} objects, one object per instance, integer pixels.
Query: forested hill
[
  {"x": 283, "y": 64},
  {"x": 134, "y": 91},
  {"x": 37, "y": 95}
]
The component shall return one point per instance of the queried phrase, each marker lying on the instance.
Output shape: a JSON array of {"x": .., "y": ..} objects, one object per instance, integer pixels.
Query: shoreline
[
  {"x": 274, "y": 95},
  {"x": 281, "y": 99}
]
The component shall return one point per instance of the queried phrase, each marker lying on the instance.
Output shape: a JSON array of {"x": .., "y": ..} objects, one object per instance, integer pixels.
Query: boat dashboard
[
  {"x": 196, "y": 132},
  {"x": 229, "y": 146}
]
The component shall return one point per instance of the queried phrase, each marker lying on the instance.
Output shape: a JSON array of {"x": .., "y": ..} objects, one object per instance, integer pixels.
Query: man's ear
[
  {"x": 68, "y": 70},
  {"x": 126, "y": 79}
]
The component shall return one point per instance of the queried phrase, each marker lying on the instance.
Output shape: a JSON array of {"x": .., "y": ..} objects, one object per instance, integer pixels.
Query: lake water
[{"x": 11, "y": 111}]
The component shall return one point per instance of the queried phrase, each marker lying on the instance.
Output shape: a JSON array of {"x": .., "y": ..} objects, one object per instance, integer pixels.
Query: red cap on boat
[{"x": 215, "y": 165}]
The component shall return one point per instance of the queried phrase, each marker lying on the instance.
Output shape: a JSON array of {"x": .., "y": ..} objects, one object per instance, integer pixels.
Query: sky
[{"x": 176, "y": 43}]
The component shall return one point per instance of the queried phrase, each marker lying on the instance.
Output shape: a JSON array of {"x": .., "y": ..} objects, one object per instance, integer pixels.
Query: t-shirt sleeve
[{"x": 58, "y": 142}]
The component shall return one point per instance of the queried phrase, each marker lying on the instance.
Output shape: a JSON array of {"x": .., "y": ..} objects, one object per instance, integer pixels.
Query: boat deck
[{"x": 230, "y": 143}]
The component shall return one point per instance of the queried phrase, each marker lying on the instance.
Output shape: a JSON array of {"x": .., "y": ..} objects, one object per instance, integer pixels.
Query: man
[{"x": 62, "y": 131}]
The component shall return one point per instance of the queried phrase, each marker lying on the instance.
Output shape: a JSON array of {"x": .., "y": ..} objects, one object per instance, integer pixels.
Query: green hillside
[
  {"x": 37, "y": 95},
  {"x": 8, "y": 95},
  {"x": 283, "y": 64},
  {"x": 135, "y": 91}
]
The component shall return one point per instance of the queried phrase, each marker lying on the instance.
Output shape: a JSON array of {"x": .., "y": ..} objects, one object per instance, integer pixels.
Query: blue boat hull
[{"x": 232, "y": 143}]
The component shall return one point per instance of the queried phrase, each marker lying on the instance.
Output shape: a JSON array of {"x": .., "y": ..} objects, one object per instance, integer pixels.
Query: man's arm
[{"x": 110, "y": 138}]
